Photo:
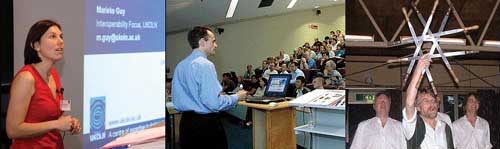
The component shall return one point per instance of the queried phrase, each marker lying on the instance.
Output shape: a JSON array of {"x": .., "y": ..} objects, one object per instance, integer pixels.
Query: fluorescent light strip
[
  {"x": 358, "y": 38},
  {"x": 491, "y": 43},
  {"x": 292, "y": 3},
  {"x": 232, "y": 8},
  {"x": 452, "y": 41}
]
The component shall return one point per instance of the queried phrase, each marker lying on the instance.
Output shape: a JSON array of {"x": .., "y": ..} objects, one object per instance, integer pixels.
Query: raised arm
[{"x": 411, "y": 91}]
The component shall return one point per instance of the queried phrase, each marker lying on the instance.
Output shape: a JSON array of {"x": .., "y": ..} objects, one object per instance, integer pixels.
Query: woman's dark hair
[
  {"x": 34, "y": 35},
  {"x": 226, "y": 74},
  {"x": 466, "y": 100},
  {"x": 263, "y": 79},
  {"x": 196, "y": 34}
]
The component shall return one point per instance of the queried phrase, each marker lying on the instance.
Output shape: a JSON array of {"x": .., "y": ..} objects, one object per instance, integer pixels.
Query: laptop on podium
[{"x": 276, "y": 89}]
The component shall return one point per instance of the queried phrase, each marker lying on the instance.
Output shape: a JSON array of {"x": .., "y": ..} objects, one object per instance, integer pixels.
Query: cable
[{"x": 304, "y": 121}]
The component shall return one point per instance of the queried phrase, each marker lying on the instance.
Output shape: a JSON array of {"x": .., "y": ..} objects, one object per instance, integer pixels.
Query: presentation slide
[{"x": 124, "y": 68}]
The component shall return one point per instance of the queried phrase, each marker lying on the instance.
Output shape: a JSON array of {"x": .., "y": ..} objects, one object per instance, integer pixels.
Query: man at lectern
[
  {"x": 196, "y": 93},
  {"x": 381, "y": 131}
]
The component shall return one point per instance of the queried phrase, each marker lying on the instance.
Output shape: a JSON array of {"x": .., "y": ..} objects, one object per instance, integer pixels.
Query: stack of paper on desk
[
  {"x": 321, "y": 98},
  {"x": 140, "y": 137}
]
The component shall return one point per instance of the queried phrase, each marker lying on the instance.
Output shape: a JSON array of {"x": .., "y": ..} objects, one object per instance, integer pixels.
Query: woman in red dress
[{"x": 34, "y": 116}]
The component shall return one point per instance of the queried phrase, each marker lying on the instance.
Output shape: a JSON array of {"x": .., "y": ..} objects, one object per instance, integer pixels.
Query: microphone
[{"x": 61, "y": 90}]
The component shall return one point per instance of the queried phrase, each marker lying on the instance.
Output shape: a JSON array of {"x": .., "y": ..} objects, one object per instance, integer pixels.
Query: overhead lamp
[
  {"x": 452, "y": 41},
  {"x": 232, "y": 8},
  {"x": 358, "y": 38},
  {"x": 292, "y": 3},
  {"x": 491, "y": 43}
]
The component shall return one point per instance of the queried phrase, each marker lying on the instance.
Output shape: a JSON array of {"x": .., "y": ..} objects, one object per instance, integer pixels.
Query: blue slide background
[{"x": 136, "y": 11}]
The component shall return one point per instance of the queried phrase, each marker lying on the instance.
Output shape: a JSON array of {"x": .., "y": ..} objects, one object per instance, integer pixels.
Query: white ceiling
[{"x": 184, "y": 14}]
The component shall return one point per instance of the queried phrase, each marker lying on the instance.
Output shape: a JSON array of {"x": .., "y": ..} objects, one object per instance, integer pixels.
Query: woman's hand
[
  {"x": 75, "y": 126},
  {"x": 64, "y": 123}
]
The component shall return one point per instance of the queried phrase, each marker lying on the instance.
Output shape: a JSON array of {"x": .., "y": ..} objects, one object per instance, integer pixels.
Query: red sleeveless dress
[{"x": 43, "y": 107}]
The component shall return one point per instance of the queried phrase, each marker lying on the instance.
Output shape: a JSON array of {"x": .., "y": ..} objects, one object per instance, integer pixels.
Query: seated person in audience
[
  {"x": 252, "y": 86},
  {"x": 284, "y": 57},
  {"x": 262, "y": 87},
  {"x": 300, "y": 88},
  {"x": 331, "y": 53},
  {"x": 295, "y": 72},
  {"x": 315, "y": 48},
  {"x": 323, "y": 61},
  {"x": 339, "y": 34},
  {"x": 340, "y": 51},
  {"x": 254, "y": 89},
  {"x": 471, "y": 131},
  {"x": 249, "y": 73},
  {"x": 270, "y": 60},
  {"x": 283, "y": 69},
  {"x": 303, "y": 61},
  {"x": 298, "y": 54},
  {"x": 341, "y": 40},
  {"x": 277, "y": 60},
  {"x": 228, "y": 85},
  {"x": 239, "y": 83},
  {"x": 317, "y": 42},
  {"x": 312, "y": 53},
  {"x": 318, "y": 83},
  {"x": 319, "y": 55},
  {"x": 333, "y": 78},
  {"x": 334, "y": 43},
  {"x": 306, "y": 45},
  {"x": 332, "y": 34},
  {"x": 311, "y": 63},
  {"x": 326, "y": 43},
  {"x": 234, "y": 77},
  {"x": 270, "y": 71},
  {"x": 259, "y": 71}
]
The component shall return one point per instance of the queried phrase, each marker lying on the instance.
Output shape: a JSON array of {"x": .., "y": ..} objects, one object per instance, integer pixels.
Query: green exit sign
[{"x": 365, "y": 97}]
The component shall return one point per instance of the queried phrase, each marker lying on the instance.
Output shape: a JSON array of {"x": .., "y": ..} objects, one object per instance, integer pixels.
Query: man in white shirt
[
  {"x": 318, "y": 82},
  {"x": 284, "y": 57},
  {"x": 381, "y": 131},
  {"x": 472, "y": 131},
  {"x": 270, "y": 71},
  {"x": 283, "y": 69},
  {"x": 424, "y": 130}
]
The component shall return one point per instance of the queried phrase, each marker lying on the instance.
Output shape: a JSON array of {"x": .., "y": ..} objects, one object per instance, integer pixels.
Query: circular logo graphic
[{"x": 97, "y": 115}]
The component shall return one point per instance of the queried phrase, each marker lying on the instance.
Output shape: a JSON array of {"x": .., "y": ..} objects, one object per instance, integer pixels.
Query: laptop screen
[{"x": 277, "y": 85}]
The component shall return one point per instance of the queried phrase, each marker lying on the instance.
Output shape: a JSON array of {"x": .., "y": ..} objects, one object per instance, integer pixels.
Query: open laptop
[{"x": 276, "y": 89}]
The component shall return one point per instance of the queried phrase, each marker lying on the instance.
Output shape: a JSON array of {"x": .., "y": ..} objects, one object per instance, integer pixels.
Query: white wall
[
  {"x": 70, "y": 14},
  {"x": 251, "y": 41}
]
